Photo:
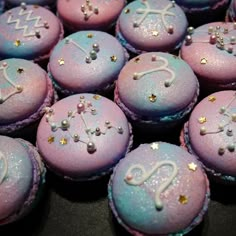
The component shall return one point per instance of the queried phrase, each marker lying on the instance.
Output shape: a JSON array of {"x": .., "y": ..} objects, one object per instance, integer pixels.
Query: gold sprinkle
[
  {"x": 192, "y": 166},
  {"x": 155, "y": 33},
  {"x": 113, "y": 58},
  {"x": 127, "y": 10},
  {"x": 17, "y": 43},
  {"x": 154, "y": 146},
  {"x": 51, "y": 139},
  {"x": 137, "y": 60},
  {"x": 203, "y": 61},
  {"x": 20, "y": 70},
  {"x": 63, "y": 141},
  {"x": 183, "y": 199},
  {"x": 97, "y": 97},
  {"x": 152, "y": 98},
  {"x": 202, "y": 119},
  {"x": 19, "y": 88},
  {"x": 211, "y": 98},
  {"x": 89, "y": 36},
  {"x": 36, "y": 6},
  {"x": 61, "y": 61}
]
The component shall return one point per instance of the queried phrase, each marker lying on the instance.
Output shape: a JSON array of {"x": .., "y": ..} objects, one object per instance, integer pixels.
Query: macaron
[
  {"x": 22, "y": 175},
  {"x": 210, "y": 134},
  {"x": 156, "y": 184},
  {"x": 150, "y": 25},
  {"x": 156, "y": 90},
  {"x": 86, "y": 61},
  {"x": 28, "y": 32},
  {"x": 25, "y": 90},
  {"x": 231, "y": 13},
  {"x": 89, "y": 14},
  {"x": 2, "y": 5},
  {"x": 83, "y": 136},
  {"x": 210, "y": 51}
]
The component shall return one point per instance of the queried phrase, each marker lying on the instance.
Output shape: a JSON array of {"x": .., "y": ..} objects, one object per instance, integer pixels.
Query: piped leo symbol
[
  {"x": 3, "y": 173},
  {"x": 145, "y": 175}
]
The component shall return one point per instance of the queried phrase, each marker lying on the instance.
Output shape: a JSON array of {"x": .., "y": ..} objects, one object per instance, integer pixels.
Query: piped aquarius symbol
[
  {"x": 3, "y": 173},
  {"x": 82, "y": 108},
  {"x": 17, "y": 88},
  {"x": 148, "y": 10},
  {"x": 92, "y": 55},
  {"x": 145, "y": 175},
  {"x": 88, "y": 9},
  {"x": 163, "y": 67}
]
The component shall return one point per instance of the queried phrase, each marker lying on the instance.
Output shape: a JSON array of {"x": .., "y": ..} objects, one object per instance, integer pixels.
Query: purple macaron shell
[
  {"x": 71, "y": 71},
  {"x": 163, "y": 31},
  {"x": 187, "y": 195},
  {"x": 102, "y": 136},
  {"x": 212, "y": 58},
  {"x": 232, "y": 11},
  {"x": 19, "y": 188},
  {"x": 148, "y": 97},
  {"x": 28, "y": 32},
  {"x": 26, "y": 106},
  {"x": 101, "y": 14},
  {"x": 210, "y": 132}
]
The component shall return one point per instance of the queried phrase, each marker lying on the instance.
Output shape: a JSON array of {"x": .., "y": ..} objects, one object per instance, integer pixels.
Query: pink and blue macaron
[
  {"x": 83, "y": 136},
  {"x": 89, "y": 15},
  {"x": 150, "y": 25},
  {"x": 156, "y": 184},
  {"x": 29, "y": 32},
  {"x": 210, "y": 134},
  {"x": 22, "y": 175},
  {"x": 86, "y": 61},
  {"x": 25, "y": 90},
  {"x": 156, "y": 90}
]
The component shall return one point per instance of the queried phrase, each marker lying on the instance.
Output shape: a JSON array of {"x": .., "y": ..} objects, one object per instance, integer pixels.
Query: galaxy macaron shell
[
  {"x": 151, "y": 26},
  {"x": 28, "y": 32},
  {"x": 83, "y": 136},
  {"x": 167, "y": 183},
  {"x": 86, "y": 61},
  {"x": 89, "y": 15}
]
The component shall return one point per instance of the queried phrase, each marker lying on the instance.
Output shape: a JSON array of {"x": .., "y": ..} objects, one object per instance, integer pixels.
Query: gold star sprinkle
[
  {"x": 155, "y": 33},
  {"x": 192, "y": 166},
  {"x": 63, "y": 141},
  {"x": 20, "y": 70},
  {"x": 61, "y": 61},
  {"x": 51, "y": 139},
  {"x": 113, "y": 58},
  {"x": 96, "y": 97},
  {"x": 89, "y": 36},
  {"x": 17, "y": 43},
  {"x": 152, "y": 98},
  {"x": 137, "y": 60},
  {"x": 183, "y": 199},
  {"x": 203, "y": 61},
  {"x": 154, "y": 146},
  {"x": 202, "y": 119},
  {"x": 211, "y": 98},
  {"x": 127, "y": 10}
]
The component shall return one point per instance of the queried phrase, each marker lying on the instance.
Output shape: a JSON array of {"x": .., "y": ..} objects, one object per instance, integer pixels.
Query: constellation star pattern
[{"x": 88, "y": 10}]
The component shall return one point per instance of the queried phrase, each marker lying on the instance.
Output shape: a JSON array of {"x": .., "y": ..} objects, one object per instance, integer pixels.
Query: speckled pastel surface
[
  {"x": 36, "y": 92},
  {"x": 206, "y": 147},
  {"x": 73, "y": 17},
  {"x": 213, "y": 66},
  {"x": 135, "y": 205},
  {"x": 232, "y": 10},
  {"x": 151, "y": 34},
  {"x": 33, "y": 2},
  {"x": 16, "y": 186},
  {"x": 135, "y": 94},
  {"x": 28, "y": 47},
  {"x": 75, "y": 74},
  {"x": 71, "y": 159}
]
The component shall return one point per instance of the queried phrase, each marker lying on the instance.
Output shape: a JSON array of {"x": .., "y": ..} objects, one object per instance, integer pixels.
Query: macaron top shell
[
  {"x": 83, "y": 135},
  {"x": 150, "y": 193},
  {"x": 212, "y": 132},
  {"x": 86, "y": 61},
  {"x": 16, "y": 175},
  {"x": 210, "y": 51},
  {"x": 94, "y": 15},
  {"x": 152, "y": 25},
  {"x": 28, "y": 32},
  {"x": 23, "y": 87},
  {"x": 33, "y": 2},
  {"x": 156, "y": 84}
]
